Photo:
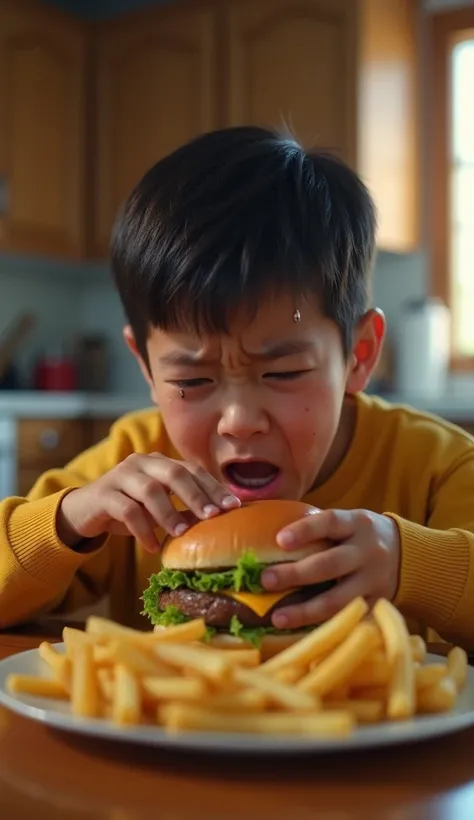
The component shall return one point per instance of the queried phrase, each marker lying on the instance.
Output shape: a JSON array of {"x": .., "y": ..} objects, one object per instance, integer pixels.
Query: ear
[
  {"x": 132, "y": 346},
  {"x": 368, "y": 341}
]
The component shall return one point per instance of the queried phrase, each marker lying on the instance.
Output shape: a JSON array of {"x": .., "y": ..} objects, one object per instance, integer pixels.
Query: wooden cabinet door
[
  {"x": 293, "y": 63},
  {"x": 156, "y": 78},
  {"x": 42, "y": 123}
]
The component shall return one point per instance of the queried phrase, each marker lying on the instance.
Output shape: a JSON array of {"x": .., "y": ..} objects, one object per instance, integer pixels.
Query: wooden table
[{"x": 50, "y": 775}]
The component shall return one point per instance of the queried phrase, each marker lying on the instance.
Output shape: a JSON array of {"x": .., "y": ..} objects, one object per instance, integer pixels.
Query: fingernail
[
  {"x": 269, "y": 578},
  {"x": 210, "y": 509},
  {"x": 280, "y": 621},
  {"x": 180, "y": 529},
  {"x": 286, "y": 538},
  {"x": 230, "y": 501}
]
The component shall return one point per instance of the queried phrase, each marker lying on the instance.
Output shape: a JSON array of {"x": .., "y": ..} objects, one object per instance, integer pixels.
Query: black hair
[{"x": 235, "y": 216}]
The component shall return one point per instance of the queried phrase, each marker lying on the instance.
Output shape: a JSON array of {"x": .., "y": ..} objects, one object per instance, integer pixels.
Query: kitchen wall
[{"x": 71, "y": 299}]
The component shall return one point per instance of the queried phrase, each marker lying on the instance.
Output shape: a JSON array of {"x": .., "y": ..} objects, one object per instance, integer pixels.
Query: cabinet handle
[
  {"x": 49, "y": 439},
  {"x": 3, "y": 194}
]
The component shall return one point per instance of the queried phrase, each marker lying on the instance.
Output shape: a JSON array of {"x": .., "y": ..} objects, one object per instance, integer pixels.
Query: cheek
[
  {"x": 188, "y": 427},
  {"x": 312, "y": 418}
]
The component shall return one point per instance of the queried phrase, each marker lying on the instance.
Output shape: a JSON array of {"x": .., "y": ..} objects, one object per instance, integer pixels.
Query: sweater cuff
[
  {"x": 35, "y": 543},
  {"x": 434, "y": 571}
]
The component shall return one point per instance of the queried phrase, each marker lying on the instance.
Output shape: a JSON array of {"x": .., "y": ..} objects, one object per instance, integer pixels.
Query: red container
[{"x": 55, "y": 374}]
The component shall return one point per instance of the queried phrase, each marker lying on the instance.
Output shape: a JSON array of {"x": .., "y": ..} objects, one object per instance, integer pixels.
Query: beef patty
[{"x": 217, "y": 610}]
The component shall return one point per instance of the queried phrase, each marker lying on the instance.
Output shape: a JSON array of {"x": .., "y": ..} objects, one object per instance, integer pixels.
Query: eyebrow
[{"x": 279, "y": 350}]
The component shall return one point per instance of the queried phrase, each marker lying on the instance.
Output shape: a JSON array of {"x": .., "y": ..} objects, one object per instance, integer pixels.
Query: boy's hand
[
  {"x": 364, "y": 560},
  {"x": 133, "y": 499}
]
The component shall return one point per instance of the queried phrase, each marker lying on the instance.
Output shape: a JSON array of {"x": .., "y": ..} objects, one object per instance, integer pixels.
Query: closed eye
[
  {"x": 289, "y": 375},
  {"x": 187, "y": 384}
]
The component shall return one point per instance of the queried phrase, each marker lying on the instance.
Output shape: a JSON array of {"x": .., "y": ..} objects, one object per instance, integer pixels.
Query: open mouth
[{"x": 251, "y": 474}]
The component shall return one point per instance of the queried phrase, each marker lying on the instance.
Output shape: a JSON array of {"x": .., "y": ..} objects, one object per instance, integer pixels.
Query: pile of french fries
[{"x": 360, "y": 667}]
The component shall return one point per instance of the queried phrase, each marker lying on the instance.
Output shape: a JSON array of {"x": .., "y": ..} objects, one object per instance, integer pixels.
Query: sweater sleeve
[
  {"x": 38, "y": 573},
  {"x": 436, "y": 583}
]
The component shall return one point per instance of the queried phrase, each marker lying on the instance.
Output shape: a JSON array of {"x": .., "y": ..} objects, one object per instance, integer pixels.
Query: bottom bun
[{"x": 271, "y": 644}]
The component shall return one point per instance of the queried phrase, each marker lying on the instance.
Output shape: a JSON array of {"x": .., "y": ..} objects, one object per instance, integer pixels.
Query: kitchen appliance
[
  {"x": 55, "y": 371},
  {"x": 423, "y": 349}
]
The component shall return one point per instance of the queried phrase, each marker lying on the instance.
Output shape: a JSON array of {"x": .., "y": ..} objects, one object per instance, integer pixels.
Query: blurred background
[{"x": 93, "y": 92}]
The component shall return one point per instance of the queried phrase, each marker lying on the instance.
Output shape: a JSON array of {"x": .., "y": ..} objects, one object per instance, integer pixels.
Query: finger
[
  {"x": 218, "y": 493},
  {"x": 126, "y": 510},
  {"x": 177, "y": 478},
  {"x": 332, "y": 563},
  {"x": 335, "y": 525},
  {"x": 321, "y": 607},
  {"x": 151, "y": 495}
]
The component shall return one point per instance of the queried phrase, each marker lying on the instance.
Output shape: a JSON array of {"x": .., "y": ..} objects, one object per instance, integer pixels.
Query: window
[{"x": 452, "y": 174}]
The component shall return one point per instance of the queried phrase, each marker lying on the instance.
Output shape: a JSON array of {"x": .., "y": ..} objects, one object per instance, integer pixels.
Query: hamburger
[{"x": 213, "y": 572}]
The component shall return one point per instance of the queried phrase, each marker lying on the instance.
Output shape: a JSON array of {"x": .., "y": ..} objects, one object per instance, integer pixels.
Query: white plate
[{"x": 57, "y": 714}]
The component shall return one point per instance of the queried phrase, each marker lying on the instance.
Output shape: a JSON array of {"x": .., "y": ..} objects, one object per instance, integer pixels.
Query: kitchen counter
[
  {"x": 457, "y": 406},
  {"x": 37, "y": 405}
]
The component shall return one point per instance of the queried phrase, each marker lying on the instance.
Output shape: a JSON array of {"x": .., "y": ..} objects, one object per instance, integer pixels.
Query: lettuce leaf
[
  {"x": 245, "y": 576},
  {"x": 255, "y": 634}
]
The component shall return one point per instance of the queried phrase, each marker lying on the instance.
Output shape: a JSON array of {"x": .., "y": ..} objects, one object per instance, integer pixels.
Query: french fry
[
  {"x": 244, "y": 700},
  {"x": 278, "y": 693},
  {"x": 340, "y": 692},
  {"x": 438, "y": 698},
  {"x": 393, "y": 628},
  {"x": 427, "y": 676},
  {"x": 72, "y": 637},
  {"x": 401, "y": 702},
  {"x": 175, "y": 688},
  {"x": 105, "y": 630},
  {"x": 320, "y": 640},
  {"x": 418, "y": 648},
  {"x": 36, "y": 686},
  {"x": 249, "y": 658},
  {"x": 105, "y": 682},
  {"x": 374, "y": 671},
  {"x": 180, "y": 717},
  {"x": 290, "y": 674},
  {"x": 85, "y": 695},
  {"x": 364, "y": 711},
  {"x": 214, "y": 667},
  {"x": 126, "y": 704},
  {"x": 356, "y": 669},
  {"x": 59, "y": 663},
  {"x": 337, "y": 668},
  {"x": 378, "y": 693},
  {"x": 135, "y": 658},
  {"x": 401, "y": 696},
  {"x": 457, "y": 667}
]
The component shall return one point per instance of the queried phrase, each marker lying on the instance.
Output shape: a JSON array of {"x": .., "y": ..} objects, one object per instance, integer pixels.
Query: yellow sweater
[{"x": 402, "y": 462}]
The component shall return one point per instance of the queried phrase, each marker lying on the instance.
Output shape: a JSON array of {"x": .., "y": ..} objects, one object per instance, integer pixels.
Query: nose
[{"x": 242, "y": 420}]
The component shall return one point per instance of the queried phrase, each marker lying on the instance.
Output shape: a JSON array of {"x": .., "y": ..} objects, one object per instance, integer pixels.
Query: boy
[{"x": 243, "y": 265}]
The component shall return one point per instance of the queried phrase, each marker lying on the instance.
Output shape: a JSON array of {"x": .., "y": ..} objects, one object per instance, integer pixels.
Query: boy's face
[{"x": 260, "y": 408}]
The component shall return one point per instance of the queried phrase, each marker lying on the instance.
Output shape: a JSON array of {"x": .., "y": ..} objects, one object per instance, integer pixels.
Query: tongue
[{"x": 253, "y": 469}]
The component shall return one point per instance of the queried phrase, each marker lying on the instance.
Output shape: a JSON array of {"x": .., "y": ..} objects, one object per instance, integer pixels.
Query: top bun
[{"x": 219, "y": 542}]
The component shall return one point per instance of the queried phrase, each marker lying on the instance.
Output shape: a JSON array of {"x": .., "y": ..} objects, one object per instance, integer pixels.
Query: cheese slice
[{"x": 261, "y": 602}]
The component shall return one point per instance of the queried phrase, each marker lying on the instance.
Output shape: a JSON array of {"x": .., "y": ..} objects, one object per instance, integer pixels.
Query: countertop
[
  {"x": 37, "y": 405},
  {"x": 455, "y": 405}
]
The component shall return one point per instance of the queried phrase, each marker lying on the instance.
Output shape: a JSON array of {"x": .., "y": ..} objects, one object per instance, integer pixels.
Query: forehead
[{"x": 273, "y": 322}]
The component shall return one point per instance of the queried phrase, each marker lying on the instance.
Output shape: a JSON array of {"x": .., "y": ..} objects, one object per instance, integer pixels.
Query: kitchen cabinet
[
  {"x": 86, "y": 110},
  {"x": 44, "y": 444},
  {"x": 42, "y": 127},
  {"x": 343, "y": 76},
  {"x": 156, "y": 80}
]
